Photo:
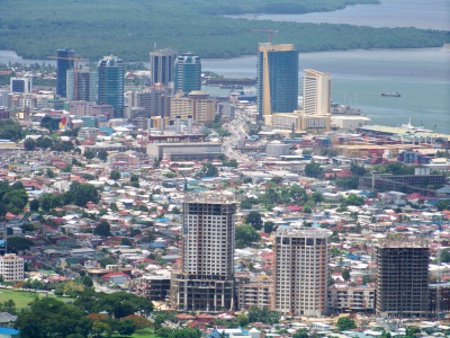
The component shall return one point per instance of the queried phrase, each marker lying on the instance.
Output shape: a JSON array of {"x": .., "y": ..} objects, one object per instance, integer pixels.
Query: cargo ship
[{"x": 394, "y": 94}]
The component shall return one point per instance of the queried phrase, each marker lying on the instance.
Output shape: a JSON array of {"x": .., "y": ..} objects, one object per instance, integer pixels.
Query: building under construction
[
  {"x": 206, "y": 279},
  {"x": 402, "y": 278}
]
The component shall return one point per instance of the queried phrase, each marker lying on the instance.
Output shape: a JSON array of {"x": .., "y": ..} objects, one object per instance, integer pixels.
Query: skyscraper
[
  {"x": 206, "y": 279},
  {"x": 277, "y": 79},
  {"x": 64, "y": 62},
  {"x": 188, "y": 73},
  {"x": 111, "y": 74},
  {"x": 301, "y": 271},
  {"x": 86, "y": 82},
  {"x": 162, "y": 65},
  {"x": 402, "y": 278},
  {"x": 316, "y": 92}
]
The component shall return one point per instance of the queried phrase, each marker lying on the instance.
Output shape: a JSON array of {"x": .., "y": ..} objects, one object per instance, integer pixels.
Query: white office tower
[
  {"x": 301, "y": 271},
  {"x": 205, "y": 281},
  {"x": 316, "y": 92}
]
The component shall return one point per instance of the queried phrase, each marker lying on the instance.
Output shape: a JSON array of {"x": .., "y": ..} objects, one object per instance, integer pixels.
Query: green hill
[{"x": 35, "y": 29}]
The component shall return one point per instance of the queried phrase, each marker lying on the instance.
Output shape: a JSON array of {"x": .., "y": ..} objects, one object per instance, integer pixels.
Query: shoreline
[{"x": 21, "y": 59}]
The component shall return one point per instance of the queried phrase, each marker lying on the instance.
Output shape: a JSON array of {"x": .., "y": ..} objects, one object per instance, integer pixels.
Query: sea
[{"x": 421, "y": 76}]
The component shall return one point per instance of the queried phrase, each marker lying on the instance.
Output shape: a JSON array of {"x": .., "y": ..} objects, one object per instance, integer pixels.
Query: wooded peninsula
[{"x": 130, "y": 29}]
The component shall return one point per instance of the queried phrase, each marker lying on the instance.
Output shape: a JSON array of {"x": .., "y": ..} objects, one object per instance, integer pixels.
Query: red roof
[{"x": 116, "y": 274}]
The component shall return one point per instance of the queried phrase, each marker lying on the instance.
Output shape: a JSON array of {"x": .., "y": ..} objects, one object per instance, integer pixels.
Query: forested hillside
[{"x": 35, "y": 29}]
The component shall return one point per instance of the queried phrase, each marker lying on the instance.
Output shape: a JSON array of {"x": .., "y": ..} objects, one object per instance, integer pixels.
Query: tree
[
  {"x": 87, "y": 281},
  {"x": 245, "y": 235},
  {"x": 345, "y": 323},
  {"x": 101, "y": 329},
  {"x": 102, "y": 155},
  {"x": 48, "y": 317},
  {"x": 81, "y": 194},
  {"x": 16, "y": 244},
  {"x": 186, "y": 333},
  {"x": 13, "y": 198},
  {"x": 89, "y": 154},
  {"x": 10, "y": 130},
  {"x": 50, "y": 173},
  {"x": 34, "y": 205},
  {"x": 242, "y": 319},
  {"x": 103, "y": 229},
  {"x": 29, "y": 144},
  {"x": 210, "y": 170},
  {"x": 115, "y": 175},
  {"x": 445, "y": 256},
  {"x": 269, "y": 226},
  {"x": 254, "y": 219},
  {"x": 301, "y": 333},
  {"x": 353, "y": 199},
  {"x": 263, "y": 315},
  {"x": 126, "y": 327},
  {"x": 113, "y": 207},
  {"x": 313, "y": 169},
  {"x": 346, "y": 275},
  {"x": 126, "y": 241}
]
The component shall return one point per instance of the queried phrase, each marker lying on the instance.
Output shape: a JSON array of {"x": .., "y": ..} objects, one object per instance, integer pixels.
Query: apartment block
[
  {"x": 301, "y": 271},
  {"x": 12, "y": 268}
]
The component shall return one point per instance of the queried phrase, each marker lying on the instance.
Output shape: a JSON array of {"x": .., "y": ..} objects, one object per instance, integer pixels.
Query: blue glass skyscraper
[
  {"x": 111, "y": 74},
  {"x": 277, "y": 79},
  {"x": 64, "y": 62}
]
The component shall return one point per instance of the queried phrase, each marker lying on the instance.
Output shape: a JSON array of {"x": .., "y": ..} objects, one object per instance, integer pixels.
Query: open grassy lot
[{"x": 23, "y": 298}]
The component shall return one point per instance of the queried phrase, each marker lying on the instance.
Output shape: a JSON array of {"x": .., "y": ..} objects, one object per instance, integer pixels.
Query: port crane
[{"x": 75, "y": 60}]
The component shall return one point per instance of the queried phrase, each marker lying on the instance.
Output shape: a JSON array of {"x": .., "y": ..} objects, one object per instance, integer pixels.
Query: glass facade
[
  {"x": 111, "y": 84},
  {"x": 277, "y": 69}
]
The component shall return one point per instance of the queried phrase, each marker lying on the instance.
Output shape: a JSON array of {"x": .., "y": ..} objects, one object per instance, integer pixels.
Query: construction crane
[
  {"x": 269, "y": 31},
  {"x": 75, "y": 60}
]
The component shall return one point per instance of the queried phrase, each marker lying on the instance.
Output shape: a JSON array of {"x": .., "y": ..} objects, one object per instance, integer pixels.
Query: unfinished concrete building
[
  {"x": 402, "y": 278},
  {"x": 206, "y": 279}
]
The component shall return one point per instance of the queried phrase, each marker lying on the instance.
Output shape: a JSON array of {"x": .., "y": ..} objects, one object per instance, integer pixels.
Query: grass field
[
  {"x": 22, "y": 299},
  {"x": 144, "y": 333}
]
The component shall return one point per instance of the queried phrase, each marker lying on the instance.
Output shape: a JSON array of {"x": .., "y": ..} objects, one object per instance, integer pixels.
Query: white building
[
  {"x": 316, "y": 92},
  {"x": 21, "y": 85},
  {"x": 11, "y": 268},
  {"x": 301, "y": 271}
]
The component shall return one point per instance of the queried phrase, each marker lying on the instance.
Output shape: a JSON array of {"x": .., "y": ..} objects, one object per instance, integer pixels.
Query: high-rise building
[
  {"x": 188, "y": 73},
  {"x": 277, "y": 79},
  {"x": 86, "y": 85},
  {"x": 316, "y": 92},
  {"x": 64, "y": 62},
  {"x": 21, "y": 84},
  {"x": 11, "y": 268},
  {"x": 111, "y": 73},
  {"x": 162, "y": 65},
  {"x": 301, "y": 271},
  {"x": 206, "y": 279},
  {"x": 402, "y": 278}
]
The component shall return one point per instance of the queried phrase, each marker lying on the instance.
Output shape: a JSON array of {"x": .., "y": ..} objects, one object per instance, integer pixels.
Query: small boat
[{"x": 394, "y": 94}]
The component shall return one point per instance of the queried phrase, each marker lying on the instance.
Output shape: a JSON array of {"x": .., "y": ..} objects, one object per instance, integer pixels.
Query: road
[{"x": 238, "y": 136}]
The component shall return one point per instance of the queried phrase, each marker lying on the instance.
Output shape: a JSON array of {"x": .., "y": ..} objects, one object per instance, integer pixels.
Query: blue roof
[{"x": 6, "y": 330}]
